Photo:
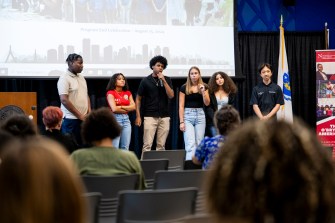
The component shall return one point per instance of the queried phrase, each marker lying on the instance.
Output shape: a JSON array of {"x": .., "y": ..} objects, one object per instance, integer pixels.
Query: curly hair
[
  {"x": 273, "y": 169},
  {"x": 158, "y": 59},
  {"x": 100, "y": 124},
  {"x": 112, "y": 82},
  {"x": 226, "y": 119},
  {"x": 228, "y": 85}
]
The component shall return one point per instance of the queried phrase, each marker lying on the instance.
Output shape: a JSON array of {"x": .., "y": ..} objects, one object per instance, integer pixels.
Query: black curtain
[{"x": 256, "y": 48}]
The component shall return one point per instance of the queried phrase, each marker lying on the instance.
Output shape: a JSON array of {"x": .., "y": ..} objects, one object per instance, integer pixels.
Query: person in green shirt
[{"x": 99, "y": 129}]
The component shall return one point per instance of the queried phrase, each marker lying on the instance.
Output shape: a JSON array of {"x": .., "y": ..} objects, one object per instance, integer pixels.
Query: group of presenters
[{"x": 204, "y": 109}]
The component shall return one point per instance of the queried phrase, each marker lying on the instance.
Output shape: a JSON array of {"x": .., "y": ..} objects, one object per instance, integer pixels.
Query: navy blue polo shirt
[{"x": 266, "y": 97}]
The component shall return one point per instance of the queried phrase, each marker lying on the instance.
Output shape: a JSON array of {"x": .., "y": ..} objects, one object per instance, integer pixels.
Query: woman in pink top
[{"x": 121, "y": 101}]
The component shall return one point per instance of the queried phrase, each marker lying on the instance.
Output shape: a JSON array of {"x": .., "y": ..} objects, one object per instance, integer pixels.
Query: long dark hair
[
  {"x": 112, "y": 82},
  {"x": 228, "y": 85}
]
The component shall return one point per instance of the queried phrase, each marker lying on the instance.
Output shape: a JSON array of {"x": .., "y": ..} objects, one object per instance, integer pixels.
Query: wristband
[{"x": 181, "y": 123}]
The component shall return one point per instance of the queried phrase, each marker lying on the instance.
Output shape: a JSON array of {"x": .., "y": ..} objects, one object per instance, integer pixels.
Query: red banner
[{"x": 325, "y": 93}]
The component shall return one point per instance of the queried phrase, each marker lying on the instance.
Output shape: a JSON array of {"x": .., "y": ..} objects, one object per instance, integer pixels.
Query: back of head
[
  {"x": 39, "y": 184},
  {"x": 226, "y": 119},
  {"x": 20, "y": 126},
  {"x": 52, "y": 116},
  {"x": 100, "y": 124},
  {"x": 273, "y": 170}
]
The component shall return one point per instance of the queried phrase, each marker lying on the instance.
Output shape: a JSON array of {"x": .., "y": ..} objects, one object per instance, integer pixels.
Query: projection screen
[{"x": 115, "y": 36}]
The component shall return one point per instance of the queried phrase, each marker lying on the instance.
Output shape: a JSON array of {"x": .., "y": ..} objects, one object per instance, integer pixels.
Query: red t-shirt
[{"x": 120, "y": 98}]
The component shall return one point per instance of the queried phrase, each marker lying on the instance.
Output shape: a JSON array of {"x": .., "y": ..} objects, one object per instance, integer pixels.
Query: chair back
[
  {"x": 198, "y": 218},
  {"x": 149, "y": 168},
  {"x": 156, "y": 205},
  {"x": 184, "y": 178},
  {"x": 178, "y": 179},
  {"x": 176, "y": 157},
  {"x": 93, "y": 202},
  {"x": 109, "y": 187}
]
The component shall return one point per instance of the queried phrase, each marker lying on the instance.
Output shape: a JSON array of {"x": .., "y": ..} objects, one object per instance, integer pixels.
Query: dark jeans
[{"x": 72, "y": 127}]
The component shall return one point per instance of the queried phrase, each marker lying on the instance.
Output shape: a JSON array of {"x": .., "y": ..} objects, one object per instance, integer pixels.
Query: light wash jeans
[
  {"x": 123, "y": 141},
  {"x": 195, "y": 125}
]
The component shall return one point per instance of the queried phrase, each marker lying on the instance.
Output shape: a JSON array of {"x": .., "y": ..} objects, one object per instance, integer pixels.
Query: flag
[{"x": 285, "y": 111}]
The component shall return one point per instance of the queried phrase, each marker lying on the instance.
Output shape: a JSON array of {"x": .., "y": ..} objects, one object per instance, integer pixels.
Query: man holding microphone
[{"x": 154, "y": 94}]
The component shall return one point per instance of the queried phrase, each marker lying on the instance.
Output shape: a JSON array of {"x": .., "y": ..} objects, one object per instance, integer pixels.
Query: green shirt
[{"x": 107, "y": 161}]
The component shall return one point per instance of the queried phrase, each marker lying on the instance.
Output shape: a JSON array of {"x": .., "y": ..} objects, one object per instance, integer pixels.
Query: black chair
[
  {"x": 156, "y": 205},
  {"x": 183, "y": 178},
  {"x": 149, "y": 168},
  {"x": 93, "y": 202},
  {"x": 176, "y": 157},
  {"x": 198, "y": 218},
  {"x": 109, "y": 186}
]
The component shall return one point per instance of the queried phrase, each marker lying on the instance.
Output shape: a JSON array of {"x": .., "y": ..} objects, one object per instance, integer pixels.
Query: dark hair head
[
  {"x": 158, "y": 59},
  {"x": 52, "y": 116},
  {"x": 273, "y": 169},
  {"x": 112, "y": 82},
  {"x": 261, "y": 66},
  {"x": 100, "y": 124},
  {"x": 20, "y": 126},
  {"x": 73, "y": 57},
  {"x": 226, "y": 119},
  {"x": 228, "y": 85}
]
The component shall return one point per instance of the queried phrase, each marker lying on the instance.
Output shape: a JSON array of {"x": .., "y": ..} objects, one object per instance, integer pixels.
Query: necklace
[{"x": 155, "y": 81}]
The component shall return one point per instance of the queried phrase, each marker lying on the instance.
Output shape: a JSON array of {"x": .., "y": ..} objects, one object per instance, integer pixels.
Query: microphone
[{"x": 161, "y": 82}]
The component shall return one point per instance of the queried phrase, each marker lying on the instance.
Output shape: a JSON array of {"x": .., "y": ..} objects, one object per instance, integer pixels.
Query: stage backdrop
[{"x": 325, "y": 94}]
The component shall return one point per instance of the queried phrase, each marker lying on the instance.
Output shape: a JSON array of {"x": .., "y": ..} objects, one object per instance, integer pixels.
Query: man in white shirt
[{"x": 72, "y": 90}]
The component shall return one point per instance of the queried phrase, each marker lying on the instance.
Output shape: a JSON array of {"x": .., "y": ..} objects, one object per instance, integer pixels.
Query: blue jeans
[
  {"x": 72, "y": 127},
  {"x": 195, "y": 125},
  {"x": 123, "y": 141}
]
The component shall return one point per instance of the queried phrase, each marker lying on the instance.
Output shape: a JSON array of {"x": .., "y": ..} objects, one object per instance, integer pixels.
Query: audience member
[
  {"x": 100, "y": 128},
  {"x": 266, "y": 97},
  {"x": 226, "y": 119},
  {"x": 156, "y": 90},
  {"x": 272, "y": 171},
  {"x": 39, "y": 184},
  {"x": 193, "y": 96},
  {"x": 19, "y": 126},
  {"x": 222, "y": 91},
  {"x": 52, "y": 119},
  {"x": 72, "y": 90},
  {"x": 121, "y": 101}
]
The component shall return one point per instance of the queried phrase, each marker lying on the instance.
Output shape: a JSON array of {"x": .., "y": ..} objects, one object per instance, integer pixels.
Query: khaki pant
[{"x": 151, "y": 125}]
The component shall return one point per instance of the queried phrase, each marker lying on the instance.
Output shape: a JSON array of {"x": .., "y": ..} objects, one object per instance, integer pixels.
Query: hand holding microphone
[
  {"x": 201, "y": 88},
  {"x": 160, "y": 76}
]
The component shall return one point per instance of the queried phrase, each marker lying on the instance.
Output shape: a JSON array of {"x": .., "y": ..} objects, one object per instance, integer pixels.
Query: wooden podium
[{"x": 27, "y": 101}]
